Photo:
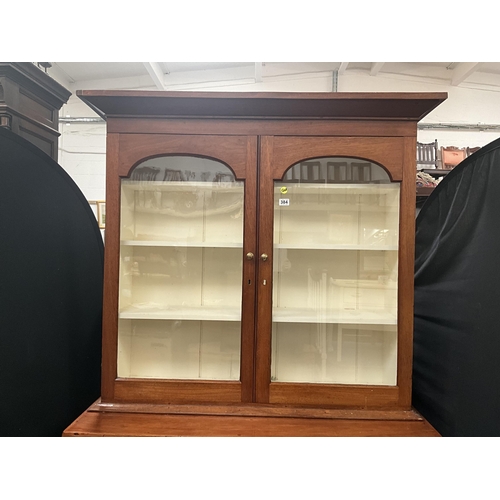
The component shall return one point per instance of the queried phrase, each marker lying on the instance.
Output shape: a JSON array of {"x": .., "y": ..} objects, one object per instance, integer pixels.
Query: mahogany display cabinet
[{"x": 259, "y": 261}]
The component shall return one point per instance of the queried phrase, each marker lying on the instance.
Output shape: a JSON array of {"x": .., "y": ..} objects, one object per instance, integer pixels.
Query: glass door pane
[
  {"x": 335, "y": 273},
  {"x": 181, "y": 242}
]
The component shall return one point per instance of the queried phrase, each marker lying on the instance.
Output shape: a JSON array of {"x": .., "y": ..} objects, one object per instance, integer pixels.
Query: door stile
[
  {"x": 249, "y": 256},
  {"x": 406, "y": 274},
  {"x": 111, "y": 272},
  {"x": 264, "y": 272}
]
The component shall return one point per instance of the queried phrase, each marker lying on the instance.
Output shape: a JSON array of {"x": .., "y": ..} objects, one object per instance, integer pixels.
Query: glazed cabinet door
[
  {"x": 329, "y": 272},
  {"x": 186, "y": 288}
]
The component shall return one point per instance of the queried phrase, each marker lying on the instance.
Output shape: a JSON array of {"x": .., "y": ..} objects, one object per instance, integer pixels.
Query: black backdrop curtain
[
  {"x": 456, "y": 374},
  {"x": 51, "y": 271}
]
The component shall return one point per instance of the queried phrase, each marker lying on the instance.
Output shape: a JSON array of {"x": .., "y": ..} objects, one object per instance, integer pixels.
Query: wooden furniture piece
[
  {"x": 451, "y": 156},
  {"x": 469, "y": 151},
  {"x": 427, "y": 155},
  {"x": 249, "y": 289},
  {"x": 436, "y": 172},
  {"x": 30, "y": 101},
  {"x": 427, "y": 158},
  {"x": 424, "y": 191}
]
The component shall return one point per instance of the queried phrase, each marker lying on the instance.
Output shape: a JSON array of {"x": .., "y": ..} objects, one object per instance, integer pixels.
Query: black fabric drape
[
  {"x": 51, "y": 272},
  {"x": 456, "y": 373}
]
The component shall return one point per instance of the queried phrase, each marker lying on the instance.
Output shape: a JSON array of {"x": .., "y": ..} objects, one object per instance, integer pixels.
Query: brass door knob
[
  {"x": 264, "y": 257},
  {"x": 250, "y": 256}
]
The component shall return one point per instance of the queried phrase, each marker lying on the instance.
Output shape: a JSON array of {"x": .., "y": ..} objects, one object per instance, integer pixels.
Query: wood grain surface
[
  {"x": 259, "y": 136},
  {"x": 124, "y": 423}
]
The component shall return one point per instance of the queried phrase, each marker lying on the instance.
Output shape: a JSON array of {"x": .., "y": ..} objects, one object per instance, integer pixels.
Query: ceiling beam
[
  {"x": 376, "y": 67},
  {"x": 156, "y": 74},
  {"x": 342, "y": 68},
  {"x": 463, "y": 71},
  {"x": 164, "y": 67}
]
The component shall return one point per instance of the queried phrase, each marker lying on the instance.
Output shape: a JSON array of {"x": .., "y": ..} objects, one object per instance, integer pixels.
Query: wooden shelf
[
  {"x": 165, "y": 243},
  {"x": 334, "y": 316},
  {"x": 436, "y": 172},
  {"x": 189, "y": 313},
  {"x": 333, "y": 246},
  {"x": 288, "y": 246},
  {"x": 335, "y": 208},
  {"x": 366, "y": 284},
  {"x": 288, "y": 315},
  {"x": 193, "y": 213},
  {"x": 425, "y": 191}
]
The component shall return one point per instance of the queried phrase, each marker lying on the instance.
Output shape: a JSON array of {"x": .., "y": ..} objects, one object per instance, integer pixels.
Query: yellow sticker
[{"x": 283, "y": 190}]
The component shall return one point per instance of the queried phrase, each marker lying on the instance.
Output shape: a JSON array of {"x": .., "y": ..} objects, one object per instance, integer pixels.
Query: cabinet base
[{"x": 123, "y": 420}]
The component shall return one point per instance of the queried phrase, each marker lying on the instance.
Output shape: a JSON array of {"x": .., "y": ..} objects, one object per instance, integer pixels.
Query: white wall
[
  {"x": 82, "y": 150},
  {"x": 83, "y": 146},
  {"x": 465, "y": 105}
]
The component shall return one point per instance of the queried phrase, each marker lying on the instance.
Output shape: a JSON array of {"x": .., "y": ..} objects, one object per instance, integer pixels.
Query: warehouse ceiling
[{"x": 185, "y": 75}]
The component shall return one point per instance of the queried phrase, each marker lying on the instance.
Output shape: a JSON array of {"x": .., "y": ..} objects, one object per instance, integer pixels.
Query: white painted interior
[
  {"x": 180, "y": 270},
  {"x": 335, "y": 273},
  {"x": 335, "y": 280}
]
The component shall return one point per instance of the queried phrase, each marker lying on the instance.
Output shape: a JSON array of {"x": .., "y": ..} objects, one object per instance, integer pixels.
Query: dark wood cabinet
[
  {"x": 259, "y": 264},
  {"x": 30, "y": 101}
]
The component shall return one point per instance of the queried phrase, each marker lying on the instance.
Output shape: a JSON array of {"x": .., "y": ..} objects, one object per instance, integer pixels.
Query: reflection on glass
[
  {"x": 336, "y": 223},
  {"x": 181, "y": 270}
]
